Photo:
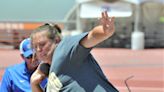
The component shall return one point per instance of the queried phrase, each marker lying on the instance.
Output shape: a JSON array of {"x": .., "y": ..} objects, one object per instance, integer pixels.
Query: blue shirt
[
  {"x": 74, "y": 69},
  {"x": 17, "y": 79}
]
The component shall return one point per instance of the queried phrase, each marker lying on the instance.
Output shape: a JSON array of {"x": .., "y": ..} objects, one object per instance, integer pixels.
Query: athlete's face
[{"x": 42, "y": 46}]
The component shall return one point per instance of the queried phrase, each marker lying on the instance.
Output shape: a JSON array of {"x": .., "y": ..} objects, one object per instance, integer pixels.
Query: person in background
[
  {"x": 72, "y": 67},
  {"x": 16, "y": 78}
]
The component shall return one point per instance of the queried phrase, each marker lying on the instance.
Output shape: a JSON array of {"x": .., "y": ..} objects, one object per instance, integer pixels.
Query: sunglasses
[{"x": 30, "y": 56}]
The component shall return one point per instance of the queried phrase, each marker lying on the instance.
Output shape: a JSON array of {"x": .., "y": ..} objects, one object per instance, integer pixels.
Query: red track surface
[{"x": 146, "y": 67}]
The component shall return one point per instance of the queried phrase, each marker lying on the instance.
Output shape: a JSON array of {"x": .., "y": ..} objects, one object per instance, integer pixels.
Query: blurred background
[
  {"x": 19, "y": 17},
  {"x": 136, "y": 48}
]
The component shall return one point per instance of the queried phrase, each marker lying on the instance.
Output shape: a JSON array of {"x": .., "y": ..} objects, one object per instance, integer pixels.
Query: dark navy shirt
[
  {"x": 17, "y": 79},
  {"x": 74, "y": 69}
]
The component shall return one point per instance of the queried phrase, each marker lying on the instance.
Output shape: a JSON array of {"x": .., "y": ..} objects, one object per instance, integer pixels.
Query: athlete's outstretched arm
[{"x": 100, "y": 32}]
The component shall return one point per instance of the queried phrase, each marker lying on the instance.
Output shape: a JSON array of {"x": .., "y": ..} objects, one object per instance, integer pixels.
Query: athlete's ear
[{"x": 57, "y": 39}]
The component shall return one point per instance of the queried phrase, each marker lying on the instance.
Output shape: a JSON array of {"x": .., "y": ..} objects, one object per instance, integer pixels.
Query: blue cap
[{"x": 25, "y": 47}]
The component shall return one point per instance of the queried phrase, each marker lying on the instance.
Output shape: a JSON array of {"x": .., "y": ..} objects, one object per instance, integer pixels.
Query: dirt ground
[{"x": 142, "y": 71}]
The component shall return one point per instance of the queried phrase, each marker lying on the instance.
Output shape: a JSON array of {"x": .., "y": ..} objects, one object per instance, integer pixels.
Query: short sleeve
[
  {"x": 69, "y": 52},
  {"x": 71, "y": 49}
]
